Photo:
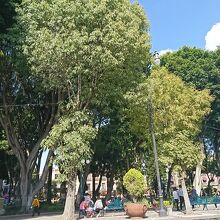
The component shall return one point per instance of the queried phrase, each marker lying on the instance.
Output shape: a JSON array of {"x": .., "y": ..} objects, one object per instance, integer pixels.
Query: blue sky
[{"x": 175, "y": 23}]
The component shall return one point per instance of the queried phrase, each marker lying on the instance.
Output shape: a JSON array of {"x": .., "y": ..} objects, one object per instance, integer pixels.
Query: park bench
[
  {"x": 205, "y": 200},
  {"x": 115, "y": 205}
]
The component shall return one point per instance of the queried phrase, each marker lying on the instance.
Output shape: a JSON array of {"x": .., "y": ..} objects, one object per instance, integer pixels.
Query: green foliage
[
  {"x": 71, "y": 139},
  {"x": 195, "y": 66},
  {"x": 176, "y": 106},
  {"x": 94, "y": 42},
  {"x": 91, "y": 52},
  {"x": 168, "y": 203},
  {"x": 178, "y": 111},
  {"x": 201, "y": 69},
  {"x": 133, "y": 181},
  {"x": 181, "y": 152}
]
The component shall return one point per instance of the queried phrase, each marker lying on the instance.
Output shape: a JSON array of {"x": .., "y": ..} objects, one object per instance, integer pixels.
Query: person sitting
[
  {"x": 89, "y": 205},
  {"x": 82, "y": 207},
  {"x": 98, "y": 206}
]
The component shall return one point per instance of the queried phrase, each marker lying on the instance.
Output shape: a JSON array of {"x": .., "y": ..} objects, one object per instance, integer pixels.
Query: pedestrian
[
  {"x": 181, "y": 198},
  {"x": 204, "y": 195},
  {"x": 6, "y": 198},
  {"x": 35, "y": 206},
  {"x": 193, "y": 197},
  {"x": 216, "y": 198},
  {"x": 176, "y": 198}
]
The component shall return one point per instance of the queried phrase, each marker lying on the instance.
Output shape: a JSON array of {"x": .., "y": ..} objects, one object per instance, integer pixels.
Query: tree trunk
[
  {"x": 110, "y": 183},
  {"x": 185, "y": 195},
  {"x": 49, "y": 184},
  {"x": 99, "y": 185},
  {"x": 197, "y": 183},
  {"x": 93, "y": 187},
  {"x": 26, "y": 188},
  {"x": 24, "y": 191},
  {"x": 69, "y": 210},
  {"x": 169, "y": 181}
]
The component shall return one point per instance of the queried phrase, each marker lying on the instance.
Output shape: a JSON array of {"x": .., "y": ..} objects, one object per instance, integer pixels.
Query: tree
[
  {"x": 177, "y": 111},
  {"x": 25, "y": 118},
  {"x": 176, "y": 106},
  {"x": 90, "y": 52},
  {"x": 201, "y": 69}
]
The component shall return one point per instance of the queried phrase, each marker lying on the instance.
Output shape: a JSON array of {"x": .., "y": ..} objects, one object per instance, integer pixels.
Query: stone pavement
[{"x": 211, "y": 214}]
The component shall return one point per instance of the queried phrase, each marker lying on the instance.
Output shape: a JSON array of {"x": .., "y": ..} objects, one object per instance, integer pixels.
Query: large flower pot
[
  {"x": 169, "y": 211},
  {"x": 135, "y": 210}
]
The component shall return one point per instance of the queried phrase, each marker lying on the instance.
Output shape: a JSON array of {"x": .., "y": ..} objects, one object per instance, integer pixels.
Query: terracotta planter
[{"x": 135, "y": 210}]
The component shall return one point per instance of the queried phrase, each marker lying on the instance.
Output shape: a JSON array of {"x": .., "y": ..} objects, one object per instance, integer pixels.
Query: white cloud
[
  {"x": 212, "y": 37},
  {"x": 162, "y": 52}
]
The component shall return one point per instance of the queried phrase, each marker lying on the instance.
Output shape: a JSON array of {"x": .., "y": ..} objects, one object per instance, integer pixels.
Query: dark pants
[
  {"x": 82, "y": 212},
  {"x": 36, "y": 210},
  {"x": 205, "y": 206},
  {"x": 177, "y": 204},
  {"x": 181, "y": 202}
]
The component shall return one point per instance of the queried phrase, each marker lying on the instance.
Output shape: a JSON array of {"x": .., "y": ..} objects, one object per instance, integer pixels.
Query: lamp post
[{"x": 162, "y": 211}]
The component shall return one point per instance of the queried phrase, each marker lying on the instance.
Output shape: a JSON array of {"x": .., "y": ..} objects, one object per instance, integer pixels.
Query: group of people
[
  {"x": 178, "y": 198},
  {"x": 88, "y": 208}
]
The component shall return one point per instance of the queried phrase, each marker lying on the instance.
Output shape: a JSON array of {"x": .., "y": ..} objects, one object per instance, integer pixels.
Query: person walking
[
  {"x": 193, "y": 197},
  {"x": 181, "y": 197},
  {"x": 204, "y": 195},
  {"x": 36, "y": 206},
  {"x": 176, "y": 198}
]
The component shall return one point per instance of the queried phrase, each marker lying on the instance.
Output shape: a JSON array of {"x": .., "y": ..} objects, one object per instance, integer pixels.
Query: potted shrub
[
  {"x": 169, "y": 207},
  {"x": 133, "y": 181}
]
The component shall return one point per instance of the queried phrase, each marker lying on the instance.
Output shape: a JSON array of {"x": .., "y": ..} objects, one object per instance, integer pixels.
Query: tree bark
[
  {"x": 93, "y": 187},
  {"x": 169, "y": 181},
  {"x": 99, "y": 185},
  {"x": 110, "y": 183},
  {"x": 185, "y": 195},
  {"x": 197, "y": 183},
  {"x": 69, "y": 210},
  {"x": 49, "y": 184},
  {"x": 26, "y": 188}
]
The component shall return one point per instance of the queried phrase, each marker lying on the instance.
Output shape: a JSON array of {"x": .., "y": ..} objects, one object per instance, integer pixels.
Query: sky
[{"x": 176, "y": 23}]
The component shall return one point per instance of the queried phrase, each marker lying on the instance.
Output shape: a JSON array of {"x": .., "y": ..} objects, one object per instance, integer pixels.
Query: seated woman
[
  {"x": 98, "y": 206},
  {"x": 82, "y": 207}
]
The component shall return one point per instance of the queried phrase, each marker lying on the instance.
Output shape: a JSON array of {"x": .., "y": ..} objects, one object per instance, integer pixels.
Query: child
[
  {"x": 36, "y": 206},
  {"x": 82, "y": 207}
]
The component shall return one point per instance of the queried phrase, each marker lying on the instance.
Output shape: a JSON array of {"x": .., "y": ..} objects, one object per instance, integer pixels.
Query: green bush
[
  {"x": 133, "y": 181},
  {"x": 167, "y": 203}
]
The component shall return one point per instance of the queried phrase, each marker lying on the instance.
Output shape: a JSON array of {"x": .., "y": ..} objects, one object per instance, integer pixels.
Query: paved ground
[{"x": 212, "y": 214}]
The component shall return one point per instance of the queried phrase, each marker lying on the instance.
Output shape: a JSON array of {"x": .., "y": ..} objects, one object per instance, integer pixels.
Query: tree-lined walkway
[{"x": 212, "y": 213}]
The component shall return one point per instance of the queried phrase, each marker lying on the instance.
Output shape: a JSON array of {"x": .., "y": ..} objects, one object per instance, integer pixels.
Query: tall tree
[
  {"x": 24, "y": 115},
  {"x": 201, "y": 69},
  {"x": 178, "y": 111},
  {"x": 89, "y": 51}
]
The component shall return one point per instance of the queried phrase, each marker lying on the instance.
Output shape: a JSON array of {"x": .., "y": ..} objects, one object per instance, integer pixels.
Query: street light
[{"x": 162, "y": 211}]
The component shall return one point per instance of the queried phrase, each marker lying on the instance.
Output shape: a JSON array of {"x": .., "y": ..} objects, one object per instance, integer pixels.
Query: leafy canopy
[
  {"x": 177, "y": 111},
  {"x": 71, "y": 139},
  {"x": 94, "y": 42}
]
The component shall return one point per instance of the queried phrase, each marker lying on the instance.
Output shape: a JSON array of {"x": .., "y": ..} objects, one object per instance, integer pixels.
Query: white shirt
[
  {"x": 98, "y": 204},
  {"x": 180, "y": 192},
  {"x": 175, "y": 195}
]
